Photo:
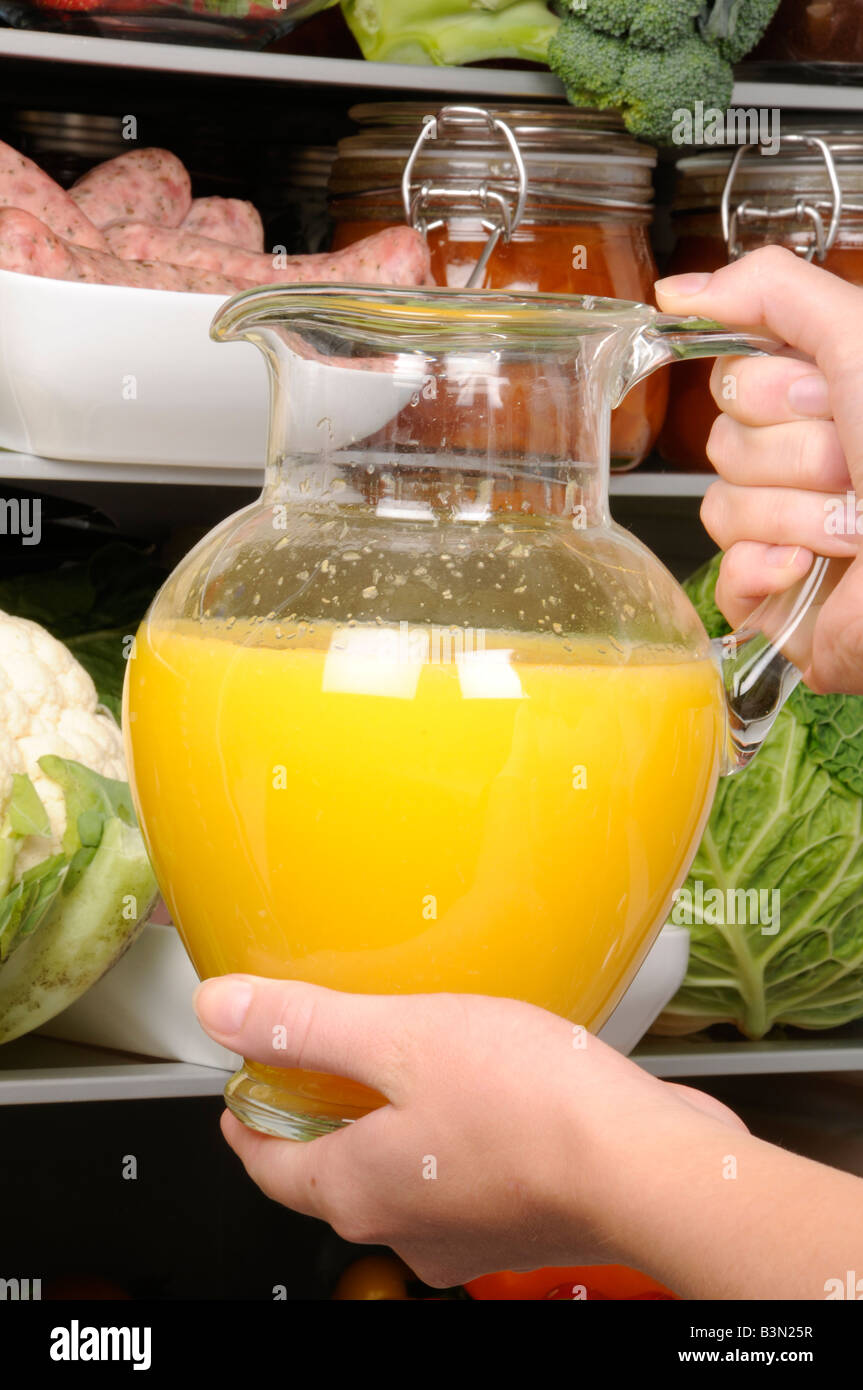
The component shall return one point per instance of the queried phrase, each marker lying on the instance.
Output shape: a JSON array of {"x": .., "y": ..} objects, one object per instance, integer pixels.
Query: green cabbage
[{"x": 792, "y": 822}]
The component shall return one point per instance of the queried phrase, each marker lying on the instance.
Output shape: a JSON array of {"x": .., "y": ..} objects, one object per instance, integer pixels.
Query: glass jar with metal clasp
[
  {"x": 808, "y": 197},
  {"x": 521, "y": 199}
]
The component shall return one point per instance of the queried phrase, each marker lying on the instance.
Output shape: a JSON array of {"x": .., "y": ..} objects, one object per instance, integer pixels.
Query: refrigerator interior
[{"x": 190, "y": 1224}]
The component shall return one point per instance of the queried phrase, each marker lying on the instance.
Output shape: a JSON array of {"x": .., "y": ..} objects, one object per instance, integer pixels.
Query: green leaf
[
  {"x": 8, "y": 855},
  {"x": 87, "y": 791},
  {"x": 40, "y": 892},
  {"x": 27, "y": 815},
  {"x": 835, "y": 725},
  {"x": 791, "y": 823},
  {"x": 90, "y": 827},
  {"x": 9, "y": 919},
  {"x": 81, "y": 860},
  {"x": 23, "y": 910}
]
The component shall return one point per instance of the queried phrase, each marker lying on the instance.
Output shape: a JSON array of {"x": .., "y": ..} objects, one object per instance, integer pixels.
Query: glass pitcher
[{"x": 423, "y": 717}]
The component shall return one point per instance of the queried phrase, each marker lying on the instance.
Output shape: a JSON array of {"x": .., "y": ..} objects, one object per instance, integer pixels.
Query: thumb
[
  {"x": 287, "y": 1023},
  {"x": 808, "y": 308}
]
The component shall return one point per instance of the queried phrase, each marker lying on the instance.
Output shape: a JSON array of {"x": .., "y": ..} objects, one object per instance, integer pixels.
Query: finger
[
  {"x": 750, "y": 571},
  {"x": 777, "y": 516},
  {"x": 287, "y": 1172},
  {"x": 805, "y": 455},
  {"x": 769, "y": 390},
  {"x": 807, "y": 307},
  {"x": 287, "y": 1023},
  {"x": 772, "y": 288}
]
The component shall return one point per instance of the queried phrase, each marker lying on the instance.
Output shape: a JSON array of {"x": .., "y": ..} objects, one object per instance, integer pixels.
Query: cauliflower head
[{"x": 48, "y": 704}]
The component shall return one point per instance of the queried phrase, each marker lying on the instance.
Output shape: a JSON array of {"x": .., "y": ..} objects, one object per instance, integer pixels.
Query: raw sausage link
[
  {"x": 24, "y": 185},
  {"x": 150, "y": 185},
  {"x": 397, "y": 256},
  {"x": 226, "y": 219},
  {"x": 31, "y": 248}
]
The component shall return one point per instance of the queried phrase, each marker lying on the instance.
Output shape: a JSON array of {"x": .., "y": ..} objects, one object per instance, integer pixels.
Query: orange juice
[{"x": 512, "y": 822}]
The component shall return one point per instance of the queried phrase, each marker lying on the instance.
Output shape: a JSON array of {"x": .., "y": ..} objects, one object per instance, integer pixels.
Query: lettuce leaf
[{"x": 792, "y": 822}]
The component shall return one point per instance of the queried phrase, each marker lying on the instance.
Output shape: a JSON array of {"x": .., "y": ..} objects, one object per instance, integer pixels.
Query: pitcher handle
[{"x": 762, "y": 661}]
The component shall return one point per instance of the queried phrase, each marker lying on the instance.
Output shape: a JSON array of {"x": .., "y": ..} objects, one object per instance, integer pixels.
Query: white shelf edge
[
  {"x": 121, "y": 1077},
  {"x": 115, "y": 1081},
  {"x": 16, "y": 467},
  {"x": 201, "y": 60},
  {"x": 801, "y": 96},
  {"x": 682, "y": 1058},
  {"x": 31, "y": 468},
  {"x": 644, "y": 483}
]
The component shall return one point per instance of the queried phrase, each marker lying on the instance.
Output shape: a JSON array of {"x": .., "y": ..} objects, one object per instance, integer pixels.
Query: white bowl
[
  {"x": 660, "y": 977},
  {"x": 110, "y": 374}
]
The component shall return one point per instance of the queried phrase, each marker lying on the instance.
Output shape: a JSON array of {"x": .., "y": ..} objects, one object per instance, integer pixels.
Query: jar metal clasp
[
  {"x": 821, "y": 239},
  {"x": 426, "y": 206}
]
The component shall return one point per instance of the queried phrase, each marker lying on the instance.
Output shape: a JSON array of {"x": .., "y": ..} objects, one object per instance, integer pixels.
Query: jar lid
[
  {"x": 571, "y": 156},
  {"x": 794, "y": 170}
]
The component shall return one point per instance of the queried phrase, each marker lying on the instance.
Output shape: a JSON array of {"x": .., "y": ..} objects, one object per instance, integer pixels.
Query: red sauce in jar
[{"x": 585, "y": 228}]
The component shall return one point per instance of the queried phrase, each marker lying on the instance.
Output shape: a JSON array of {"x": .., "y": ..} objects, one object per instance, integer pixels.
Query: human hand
[
  {"x": 530, "y": 1124},
  {"x": 789, "y": 440}
]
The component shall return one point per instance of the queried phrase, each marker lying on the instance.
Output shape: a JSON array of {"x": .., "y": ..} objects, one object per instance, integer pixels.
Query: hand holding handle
[{"x": 762, "y": 661}]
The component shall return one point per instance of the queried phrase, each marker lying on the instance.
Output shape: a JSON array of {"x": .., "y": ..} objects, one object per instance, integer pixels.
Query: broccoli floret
[
  {"x": 589, "y": 65},
  {"x": 663, "y": 23},
  {"x": 646, "y": 84},
  {"x": 450, "y": 31},
  {"x": 605, "y": 16},
  {"x": 655, "y": 85},
  {"x": 735, "y": 26}
]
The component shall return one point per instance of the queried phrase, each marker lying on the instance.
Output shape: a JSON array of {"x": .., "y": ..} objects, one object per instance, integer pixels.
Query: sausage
[
  {"x": 226, "y": 219},
  {"x": 396, "y": 256},
  {"x": 150, "y": 185},
  {"x": 24, "y": 185},
  {"x": 31, "y": 248}
]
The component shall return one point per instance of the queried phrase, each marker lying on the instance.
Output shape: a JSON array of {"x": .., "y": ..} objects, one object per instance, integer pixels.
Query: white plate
[{"x": 110, "y": 374}]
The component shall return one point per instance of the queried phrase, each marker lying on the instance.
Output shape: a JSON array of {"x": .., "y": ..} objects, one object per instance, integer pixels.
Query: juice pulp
[{"x": 512, "y": 823}]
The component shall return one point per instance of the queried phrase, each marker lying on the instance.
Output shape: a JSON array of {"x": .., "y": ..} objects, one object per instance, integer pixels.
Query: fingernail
[
  {"x": 684, "y": 285},
  {"x": 809, "y": 395},
  {"x": 222, "y": 1005},
  {"x": 782, "y": 557}
]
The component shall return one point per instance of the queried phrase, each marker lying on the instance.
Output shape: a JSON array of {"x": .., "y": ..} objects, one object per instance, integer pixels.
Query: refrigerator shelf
[
  {"x": 201, "y": 60},
  {"x": 39, "y": 1071},
  {"x": 672, "y": 1058},
  {"x": 19, "y": 467},
  {"x": 355, "y": 73}
]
